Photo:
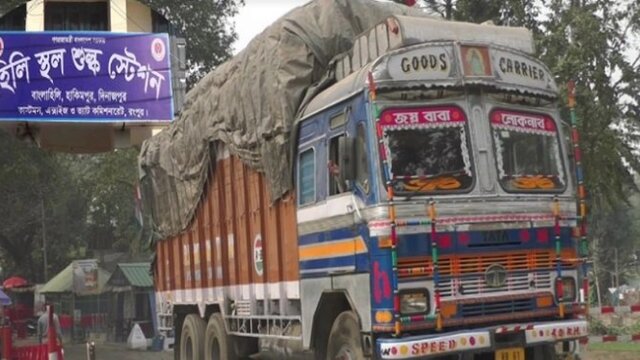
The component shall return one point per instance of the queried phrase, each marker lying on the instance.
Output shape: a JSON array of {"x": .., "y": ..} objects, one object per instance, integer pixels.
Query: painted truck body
[{"x": 433, "y": 215}]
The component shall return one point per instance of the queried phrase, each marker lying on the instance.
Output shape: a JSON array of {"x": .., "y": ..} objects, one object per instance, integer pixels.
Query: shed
[
  {"x": 79, "y": 295},
  {"x": 133, "y": 298}
]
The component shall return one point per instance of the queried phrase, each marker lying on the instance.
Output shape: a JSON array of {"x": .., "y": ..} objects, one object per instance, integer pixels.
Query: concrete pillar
[
  {"x": 35, "y": 15},
  {"x": 118, "y": 15}
]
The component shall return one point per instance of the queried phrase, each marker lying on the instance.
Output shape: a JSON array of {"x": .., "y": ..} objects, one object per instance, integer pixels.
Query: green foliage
[
  {"x": 615, "y": 347},
  {"x": 36, "y": 190},
  {"x": 597, "y": 327},
  {"x": 88, "y": 203},
  {"x": 108, "y": 182},
  {"x": 205, "y": 26}
]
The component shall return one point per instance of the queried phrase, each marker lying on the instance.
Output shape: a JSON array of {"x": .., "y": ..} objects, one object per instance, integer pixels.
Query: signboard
[
  {"x": 518, "y": 69},
  {"x": 433, "y": 62},
  {"x": 450, "y": 64},
  {"x": 437, "y": 115},
  {"x": 85, "y": 276},
  {"x": 523, "y": 122},
  {"x": 85, "y": 77}
]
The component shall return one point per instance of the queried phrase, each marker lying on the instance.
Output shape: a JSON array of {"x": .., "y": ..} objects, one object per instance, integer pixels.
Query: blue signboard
[{"x": 85, "y": 77}]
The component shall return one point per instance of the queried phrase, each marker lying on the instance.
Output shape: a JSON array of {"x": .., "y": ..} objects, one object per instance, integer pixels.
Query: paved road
[
  {"x": 120, "y": 352},
  {"x": 115, "y": 352}
]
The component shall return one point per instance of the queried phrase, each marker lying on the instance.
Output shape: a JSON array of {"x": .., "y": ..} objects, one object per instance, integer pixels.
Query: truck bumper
[{"x": 478, "y": 340}]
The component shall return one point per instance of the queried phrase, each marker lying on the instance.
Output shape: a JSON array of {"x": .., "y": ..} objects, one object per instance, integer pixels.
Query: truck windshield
[
  {"x": 427, "y": 149},
  {"x": 527, "y": 152}
]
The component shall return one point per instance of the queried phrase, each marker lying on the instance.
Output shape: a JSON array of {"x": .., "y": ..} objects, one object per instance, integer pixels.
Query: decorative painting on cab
[{"x": 85, "y": 77}]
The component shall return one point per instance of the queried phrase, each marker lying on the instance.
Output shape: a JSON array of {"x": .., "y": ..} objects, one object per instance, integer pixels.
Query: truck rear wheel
[
  {"x": 218, "y": 343},
  {"x": 344, "y": 338},
  {"x": 192, "y": 338}
]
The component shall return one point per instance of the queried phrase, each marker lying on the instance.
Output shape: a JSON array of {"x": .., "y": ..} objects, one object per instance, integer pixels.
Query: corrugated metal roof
[{"x": 136, "y": 274}]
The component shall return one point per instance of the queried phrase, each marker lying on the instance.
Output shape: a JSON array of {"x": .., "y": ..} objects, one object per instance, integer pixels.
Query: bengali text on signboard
[{"x": 85, "y": 77}]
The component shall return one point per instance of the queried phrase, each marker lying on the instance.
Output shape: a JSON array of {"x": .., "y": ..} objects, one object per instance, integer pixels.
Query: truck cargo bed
[{"x": 239, "y": 246}]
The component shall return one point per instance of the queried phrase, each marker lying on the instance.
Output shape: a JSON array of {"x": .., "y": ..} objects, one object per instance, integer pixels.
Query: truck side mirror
[{"x": 347, "y": 158}]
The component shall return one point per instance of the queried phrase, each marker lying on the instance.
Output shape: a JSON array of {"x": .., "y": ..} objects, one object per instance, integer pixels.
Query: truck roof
[{"x": 400, "y": 35}]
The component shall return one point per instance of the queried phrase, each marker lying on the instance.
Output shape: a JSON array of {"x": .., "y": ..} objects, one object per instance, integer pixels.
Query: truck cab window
[
  {"x": 336, "y": 186},
  {"x": 527, "y": 152},
  {"x": 362, "y": 165},
  {"x": 307, "y": 177}
]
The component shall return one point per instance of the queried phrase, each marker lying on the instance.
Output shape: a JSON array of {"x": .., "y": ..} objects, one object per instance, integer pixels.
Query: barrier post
[
  {"x": 7, "y": 346},
  {"x": 52, "y": 343},
  {"x": 91, "y": 350}
]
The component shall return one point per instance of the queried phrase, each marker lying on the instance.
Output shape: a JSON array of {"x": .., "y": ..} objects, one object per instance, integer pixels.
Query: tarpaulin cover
[{"x": 250, "y": 104}]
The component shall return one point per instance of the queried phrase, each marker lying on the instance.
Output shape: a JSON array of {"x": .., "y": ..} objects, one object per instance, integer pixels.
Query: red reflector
[{"x": 559, "y": 289}]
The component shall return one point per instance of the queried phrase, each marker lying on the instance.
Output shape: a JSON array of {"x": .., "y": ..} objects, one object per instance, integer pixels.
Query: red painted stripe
[
  {"x": 607, "y": 309},
  {"x": 635, "y": 308},
  {"x": 584, "y": 340},
  {"x": 609, "y": 338},
  {"x": 635, "y": 337}
]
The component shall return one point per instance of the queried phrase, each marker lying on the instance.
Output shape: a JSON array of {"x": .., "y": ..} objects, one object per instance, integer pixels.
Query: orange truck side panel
[{"x": 237, "y": 236}]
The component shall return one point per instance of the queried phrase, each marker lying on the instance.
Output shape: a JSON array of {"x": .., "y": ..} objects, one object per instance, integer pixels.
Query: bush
[{"x": 597, "y": 327}]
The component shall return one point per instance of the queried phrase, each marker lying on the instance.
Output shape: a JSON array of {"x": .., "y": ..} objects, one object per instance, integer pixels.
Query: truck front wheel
[
  {"x": 344, "y": 339},
  {"x": 218, "y": 344},
  {"x": 192, "y": 338}
]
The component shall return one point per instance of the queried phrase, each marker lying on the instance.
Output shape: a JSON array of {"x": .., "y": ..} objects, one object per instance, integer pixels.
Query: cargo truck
[{"x": 433, "y": 215}]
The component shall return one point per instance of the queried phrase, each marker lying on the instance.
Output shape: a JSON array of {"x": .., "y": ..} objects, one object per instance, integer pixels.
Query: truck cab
[{"x": 436, "y": 200}]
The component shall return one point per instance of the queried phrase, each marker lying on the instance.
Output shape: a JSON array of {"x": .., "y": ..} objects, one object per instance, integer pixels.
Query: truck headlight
[
  {"x": 568, "y": 289},
  {"x": 414, "y": 301}
]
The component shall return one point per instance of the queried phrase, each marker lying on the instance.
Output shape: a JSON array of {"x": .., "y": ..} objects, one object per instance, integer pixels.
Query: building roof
[
  {"x": 132, "y": 274},
  {"x": 63, "y": 282}
]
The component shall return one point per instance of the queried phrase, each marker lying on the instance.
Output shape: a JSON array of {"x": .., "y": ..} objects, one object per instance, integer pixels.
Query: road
[
  {"x": 120, "y": 352},
  {"x": 114, "y": 351}
]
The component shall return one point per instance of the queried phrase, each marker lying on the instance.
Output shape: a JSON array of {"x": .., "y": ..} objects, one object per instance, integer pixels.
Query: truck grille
[
  {"x": 452, "y": 265},
  {"x": 475, "y": 285},
  {"x": 497, "y": 307}
]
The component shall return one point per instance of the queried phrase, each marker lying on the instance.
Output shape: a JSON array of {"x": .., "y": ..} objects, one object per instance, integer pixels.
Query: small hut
[
  {"x": 79, "y": 296},
  {"x": 133, "y": 299}
]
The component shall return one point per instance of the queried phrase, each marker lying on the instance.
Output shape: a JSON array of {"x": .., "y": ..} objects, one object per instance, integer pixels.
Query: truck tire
[
  {"x": 344, "y": 339},
  {"x": 192, "y": 338},
  {"x": 218, "y": 344}
]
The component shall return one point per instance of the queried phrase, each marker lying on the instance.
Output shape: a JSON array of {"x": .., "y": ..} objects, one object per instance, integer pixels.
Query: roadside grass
[{"x": 615, "y": 346}]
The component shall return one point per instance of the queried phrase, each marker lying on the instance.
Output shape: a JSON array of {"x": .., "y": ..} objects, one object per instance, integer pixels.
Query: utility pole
[
  {"x": 44, "y": 239},
  {"x": 615, "y": 264}
]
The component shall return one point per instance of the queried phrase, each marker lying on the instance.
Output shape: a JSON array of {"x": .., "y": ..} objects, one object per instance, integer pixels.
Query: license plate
[{"x": 510, "y": 354}]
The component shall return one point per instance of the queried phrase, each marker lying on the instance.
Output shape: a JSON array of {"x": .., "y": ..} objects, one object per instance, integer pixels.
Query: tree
[
  {"x": 205, "y": 26},
  {"x": 38, "y": 194},
  {"x": 109, "y": 181},
  {"x": 586, "y": 41}
]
